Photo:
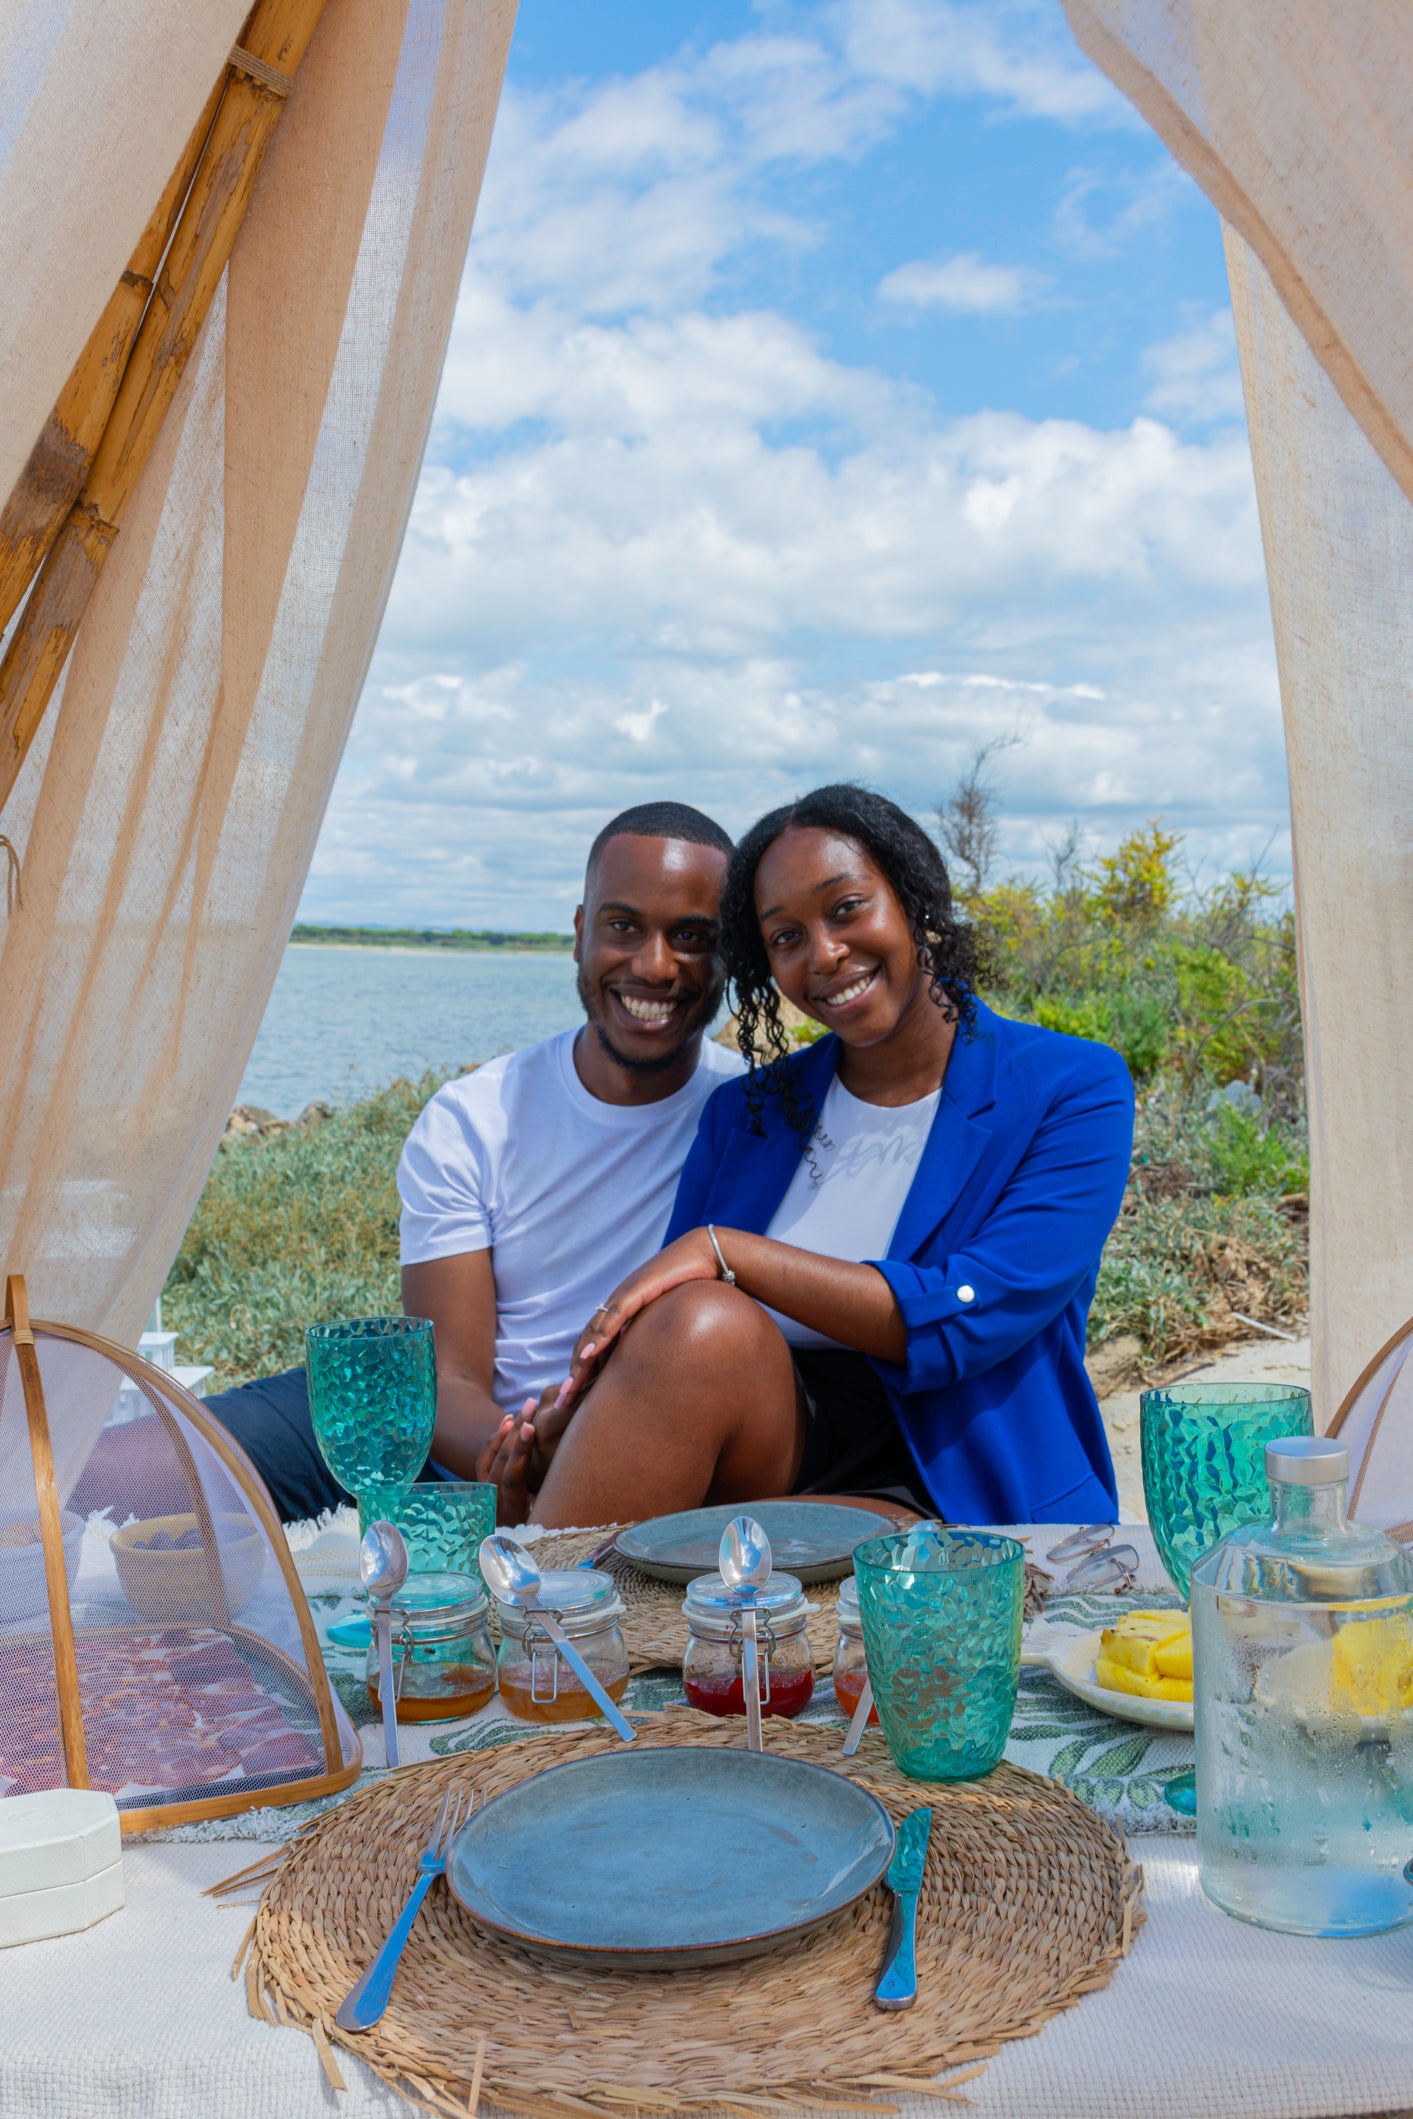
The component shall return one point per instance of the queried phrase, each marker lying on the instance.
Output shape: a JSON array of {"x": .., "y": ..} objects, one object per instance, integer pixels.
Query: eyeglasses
[{"x": 1101, "y": 1565}]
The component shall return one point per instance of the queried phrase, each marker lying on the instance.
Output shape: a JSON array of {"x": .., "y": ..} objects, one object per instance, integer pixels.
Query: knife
[{"x": 897, "y": 1985}]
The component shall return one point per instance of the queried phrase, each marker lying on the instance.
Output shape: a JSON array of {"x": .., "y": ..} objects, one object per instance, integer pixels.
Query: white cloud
[
  {"x": 1195, "y": 376},
  {"x": 668, "y": 543},
  {"x": 1016, "y": 51},
  {"x": 965, "y": 283}
]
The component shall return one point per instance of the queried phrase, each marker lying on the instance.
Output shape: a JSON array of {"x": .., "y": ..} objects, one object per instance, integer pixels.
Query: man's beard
[{"x": 659, "y": 1063}]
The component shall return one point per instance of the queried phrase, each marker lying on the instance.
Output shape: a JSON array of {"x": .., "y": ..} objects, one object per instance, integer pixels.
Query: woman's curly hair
[{"x": 948, "y": 949}]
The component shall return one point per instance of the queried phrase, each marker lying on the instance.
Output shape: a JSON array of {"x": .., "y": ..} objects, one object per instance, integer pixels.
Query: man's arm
[{"x": 459, "y": 1295}]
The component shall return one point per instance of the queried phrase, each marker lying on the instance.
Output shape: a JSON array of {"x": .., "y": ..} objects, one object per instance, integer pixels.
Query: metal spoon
[
  {"x": 745, "y": 1561},
  {"x": 511, "y": 1576},
  {"x": 382, "y": 1562}
]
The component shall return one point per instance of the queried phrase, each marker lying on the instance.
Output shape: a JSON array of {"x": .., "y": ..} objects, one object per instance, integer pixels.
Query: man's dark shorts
[{"x": 270, "y": 1420}]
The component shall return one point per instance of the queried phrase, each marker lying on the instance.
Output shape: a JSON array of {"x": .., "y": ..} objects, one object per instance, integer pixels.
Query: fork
[{"x": 364, "y": 2003}]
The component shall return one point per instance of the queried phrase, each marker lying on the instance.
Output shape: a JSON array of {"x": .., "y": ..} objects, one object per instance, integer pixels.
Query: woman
[{"x": 884, "y": 1246}]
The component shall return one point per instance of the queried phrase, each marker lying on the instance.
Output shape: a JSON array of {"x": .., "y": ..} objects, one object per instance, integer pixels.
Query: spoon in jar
[
  {"x": 511, "y": 1576},
  {"x": 382, "y": 1562},
  {"x": 745, "y": 1561}
]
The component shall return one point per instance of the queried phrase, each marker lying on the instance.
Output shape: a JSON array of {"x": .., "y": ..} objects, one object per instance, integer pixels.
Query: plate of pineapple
[{"x": 1139, "y": 1670}]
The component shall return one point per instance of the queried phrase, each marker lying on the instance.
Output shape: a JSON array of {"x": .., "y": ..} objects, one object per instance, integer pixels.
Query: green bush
[{"x": 290, "y": 1231}]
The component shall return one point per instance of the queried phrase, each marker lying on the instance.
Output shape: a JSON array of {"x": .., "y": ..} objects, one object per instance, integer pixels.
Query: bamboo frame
[
  {"x": 250, "y": 101},
  {"x": 51, "y": 1533},
  {"x": 60, "y": 460},
  {"x": 340, "y": 1772}
]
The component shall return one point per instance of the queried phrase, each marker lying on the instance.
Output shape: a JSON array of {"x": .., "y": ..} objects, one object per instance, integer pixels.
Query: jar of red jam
[
  {"x": 536, "y": 1684},
  {"x": 850, "y": 1667},
  {"x": 711, "y": 1669}
]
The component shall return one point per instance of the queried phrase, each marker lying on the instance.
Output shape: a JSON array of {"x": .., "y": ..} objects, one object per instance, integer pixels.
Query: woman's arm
[{"x": 851, "y": 1303}]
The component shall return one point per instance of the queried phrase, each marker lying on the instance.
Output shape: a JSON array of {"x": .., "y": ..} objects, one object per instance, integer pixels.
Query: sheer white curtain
[
  {"x": 168, "y": 810},
  {"x": 1296, "y": 117}
]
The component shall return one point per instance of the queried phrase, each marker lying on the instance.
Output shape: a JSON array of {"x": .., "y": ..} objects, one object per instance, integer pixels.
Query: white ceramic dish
[{"x": 1072, "y": 1658}]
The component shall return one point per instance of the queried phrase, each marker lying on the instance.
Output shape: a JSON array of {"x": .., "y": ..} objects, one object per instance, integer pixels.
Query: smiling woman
[{"x": 883, "y": 1249}]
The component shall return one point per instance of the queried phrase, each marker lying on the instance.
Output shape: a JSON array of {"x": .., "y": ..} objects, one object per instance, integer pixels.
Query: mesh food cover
[{"x": 154, "y": 1637}]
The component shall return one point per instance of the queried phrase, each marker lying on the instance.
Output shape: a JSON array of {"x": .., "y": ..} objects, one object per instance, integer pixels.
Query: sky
[{"x": 834, "y": 389}]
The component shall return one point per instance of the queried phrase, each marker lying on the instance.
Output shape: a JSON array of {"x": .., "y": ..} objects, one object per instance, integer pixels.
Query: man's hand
[{"x": 504, "y": 1463}]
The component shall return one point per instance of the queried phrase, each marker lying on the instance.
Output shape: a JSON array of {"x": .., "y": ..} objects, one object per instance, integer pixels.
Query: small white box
[{"x": 61, "y": 1864}]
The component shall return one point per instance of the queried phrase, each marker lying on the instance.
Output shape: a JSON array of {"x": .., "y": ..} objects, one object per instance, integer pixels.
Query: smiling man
[
  {"x": 533, "y": 1185},
  {"x": 530, "y": 1187}
]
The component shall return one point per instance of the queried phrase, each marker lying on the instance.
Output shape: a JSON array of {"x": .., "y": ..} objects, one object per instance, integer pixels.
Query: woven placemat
[
  {"x": 654, "y": 1630},
  {"x": 1028, "y": 1903}
]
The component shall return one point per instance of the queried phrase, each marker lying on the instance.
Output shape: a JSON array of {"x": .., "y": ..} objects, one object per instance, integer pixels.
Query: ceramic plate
[
  {"x": 1073, "y": 1660},
  {"x": 812, "y": 1540},
  {"x": 659, "y": 1857}
]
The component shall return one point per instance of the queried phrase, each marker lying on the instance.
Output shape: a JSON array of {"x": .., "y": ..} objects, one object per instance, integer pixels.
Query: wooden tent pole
[
  {"x": 261, "y": 72},
  {"x": 51, "y": 1531},
  {"x": 59, "y": 461}
]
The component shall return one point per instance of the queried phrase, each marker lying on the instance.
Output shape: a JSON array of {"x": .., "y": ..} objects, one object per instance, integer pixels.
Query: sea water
[{"x": 342, "y": 1022}]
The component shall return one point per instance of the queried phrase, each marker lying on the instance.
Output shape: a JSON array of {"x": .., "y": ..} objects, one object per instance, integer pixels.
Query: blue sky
[{"x": 833, "y": 389}]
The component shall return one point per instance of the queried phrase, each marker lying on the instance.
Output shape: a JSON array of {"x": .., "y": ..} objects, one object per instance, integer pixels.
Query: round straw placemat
[
  {"x": 1027, "y": 1904},
  {"x": 654, "y": 1630}
]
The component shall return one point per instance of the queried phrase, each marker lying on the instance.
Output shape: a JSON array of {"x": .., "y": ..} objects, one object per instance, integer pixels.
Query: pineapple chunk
[
  {"x": 1371, "y": 1665},
  {"x": 1148, "y": 1654},
  {"x": 1115, "y": 1678}
]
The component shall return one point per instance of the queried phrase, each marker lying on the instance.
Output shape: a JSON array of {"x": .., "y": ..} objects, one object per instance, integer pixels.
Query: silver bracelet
[{"x": 726, "y": 1273}]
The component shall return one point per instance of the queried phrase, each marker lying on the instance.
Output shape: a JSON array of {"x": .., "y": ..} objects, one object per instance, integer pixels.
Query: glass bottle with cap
[
  {"x": 1302, "y": 1636},
  {"x": 536, "y": 1684},
  {"x": 711, "y": 1668},
  {"x": 850, "y": 1663},
  {"x": 444, "y": 1665}
]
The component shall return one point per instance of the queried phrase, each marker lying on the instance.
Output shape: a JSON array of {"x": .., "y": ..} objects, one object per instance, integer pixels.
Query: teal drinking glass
[
  {"x": 1204, "y": 1460},
  {"x": 941, "y": 1612},
  {"x": 442, "y": 1521},
  {"x": 373, "y": 1399}
]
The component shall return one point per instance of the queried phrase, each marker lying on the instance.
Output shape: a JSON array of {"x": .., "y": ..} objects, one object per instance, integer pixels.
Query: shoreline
[{"x": 480, "y": 949}]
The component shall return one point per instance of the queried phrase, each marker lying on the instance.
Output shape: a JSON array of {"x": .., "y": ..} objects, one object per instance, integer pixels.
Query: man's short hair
[{"x": 662, "y": 820}]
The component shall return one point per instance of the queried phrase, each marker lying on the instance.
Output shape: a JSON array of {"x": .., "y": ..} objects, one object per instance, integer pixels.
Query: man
[{"x": 533, "y": 1185}]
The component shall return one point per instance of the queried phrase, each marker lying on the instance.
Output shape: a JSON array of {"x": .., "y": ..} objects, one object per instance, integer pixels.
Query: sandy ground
[{"x": 1254, "y": 1361}]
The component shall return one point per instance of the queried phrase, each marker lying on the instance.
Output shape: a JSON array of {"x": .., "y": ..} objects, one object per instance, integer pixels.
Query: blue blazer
[{"x": 993, "y": 1260}]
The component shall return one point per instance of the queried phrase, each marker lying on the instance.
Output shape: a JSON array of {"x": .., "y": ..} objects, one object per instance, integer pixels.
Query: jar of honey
[
  {"x": 444, "y": 1666},
  {"x": 711, "y": 1669},
  {"x": 850, "y": 1668},
  {"x": 536, "y": 1684}
]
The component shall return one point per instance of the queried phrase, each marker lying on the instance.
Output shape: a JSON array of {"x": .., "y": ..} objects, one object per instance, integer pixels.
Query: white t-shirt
[
  {"x": 570, "y": 1193},
  {"x": 847, "y": 1206}
]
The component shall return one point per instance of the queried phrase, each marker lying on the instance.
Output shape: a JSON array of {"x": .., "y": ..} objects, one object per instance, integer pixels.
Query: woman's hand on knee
[{"x": 690, "y": 1258}]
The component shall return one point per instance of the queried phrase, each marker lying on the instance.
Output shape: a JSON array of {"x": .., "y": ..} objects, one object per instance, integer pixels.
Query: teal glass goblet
[
  {"x": 1204, "y": 1460},
  {"x": 941, "y": 1613},
  {"x": 373, "y": 1400}
]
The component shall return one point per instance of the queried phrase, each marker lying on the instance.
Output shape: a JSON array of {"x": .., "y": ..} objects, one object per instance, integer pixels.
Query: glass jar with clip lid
[
  {"x": 536, "y": 1684},
  {"x": 444, "y": 1666},
  {"x": 850, "y": 1662},
  {"x": 711, "y": 1668}
]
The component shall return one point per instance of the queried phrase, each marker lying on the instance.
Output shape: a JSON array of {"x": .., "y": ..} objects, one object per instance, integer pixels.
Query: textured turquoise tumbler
[
  {"x": 941, "y": 1612},
  {"x": 1204, "y": 1460}
]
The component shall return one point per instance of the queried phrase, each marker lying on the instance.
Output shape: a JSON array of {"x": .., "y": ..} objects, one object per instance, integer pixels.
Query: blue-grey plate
[
  {"x": 813, "y": 1540},
  {"x": 662, "y": 1857}
]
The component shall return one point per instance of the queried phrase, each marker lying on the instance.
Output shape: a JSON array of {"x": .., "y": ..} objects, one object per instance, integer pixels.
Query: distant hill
[{"x": 431, "y": 938}]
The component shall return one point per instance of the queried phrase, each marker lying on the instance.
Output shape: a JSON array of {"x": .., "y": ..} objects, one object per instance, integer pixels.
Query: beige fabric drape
[
  {"x": 168, "y": 811},
  {"x": 1296, "y": 117}
]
